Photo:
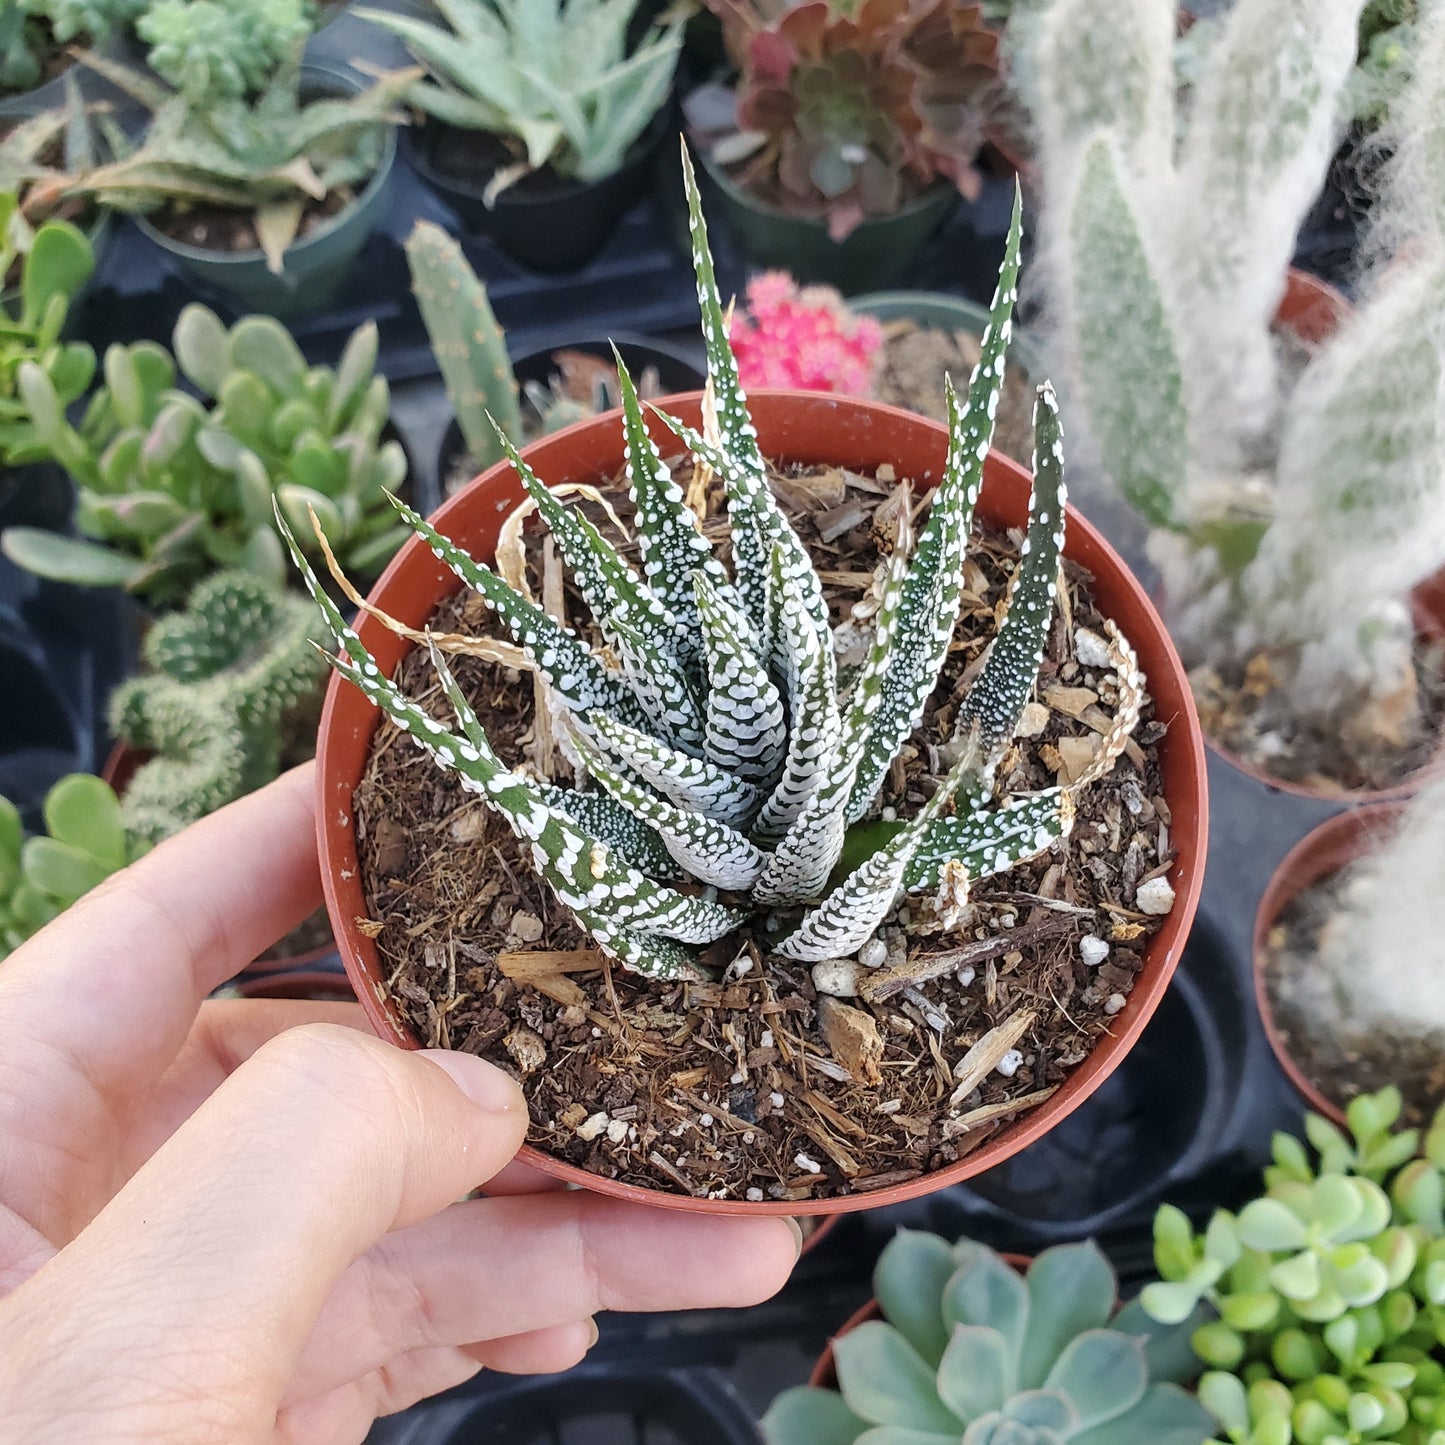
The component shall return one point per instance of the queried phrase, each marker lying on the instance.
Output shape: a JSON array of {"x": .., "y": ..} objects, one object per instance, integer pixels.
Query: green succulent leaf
[
  {"x": 977, "y": 1373},
  {"x": 1072, "y": 1290},
  {"x": 1102, "y": 1372},
  {"x": 909, "y": 1280},
  {"x": 887, "y": 1382},
  {"x": 809, "y": 1416}
]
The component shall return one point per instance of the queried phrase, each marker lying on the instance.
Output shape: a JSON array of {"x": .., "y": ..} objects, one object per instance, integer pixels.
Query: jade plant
[
  {"x": 970, "y": 1351},
  {"x": 471, "y": 354},
  {"x": 842, "y": 113},
  {"x": 724, "y": 752},
  {"x": 1270, "y": 492},
  {"x": 804, "y": 337},
  {"x": 554, "y": 78},
  {"x": 1329, "y": 1288},
  {"x": 83, "y": 844},
  {"x": 172, "y": 487},
  {"x": 225, "y": 677},
  {"x": 53, "y": 263},
  {"x": 269, "y": 151}
]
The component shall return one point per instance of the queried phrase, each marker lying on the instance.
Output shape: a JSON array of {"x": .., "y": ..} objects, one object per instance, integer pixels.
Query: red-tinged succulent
[{"x": 844, "y": 111}]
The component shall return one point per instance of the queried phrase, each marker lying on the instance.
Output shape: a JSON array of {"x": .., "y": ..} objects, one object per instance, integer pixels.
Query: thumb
[{"x": 209, "y": 1268}]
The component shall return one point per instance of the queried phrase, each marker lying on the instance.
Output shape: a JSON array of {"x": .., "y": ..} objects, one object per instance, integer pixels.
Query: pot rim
[
  {"x": 342, "y": 83},
  {"x": 340, "y": 758},
  {"x": 934, "y": 194},
  {"x": 1324, "y": 851}
]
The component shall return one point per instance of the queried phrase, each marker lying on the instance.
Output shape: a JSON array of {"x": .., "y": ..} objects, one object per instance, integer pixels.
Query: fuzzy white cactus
[
  {"x": 1270, "y": 502},
  {"x": 1383, "y": 955}
]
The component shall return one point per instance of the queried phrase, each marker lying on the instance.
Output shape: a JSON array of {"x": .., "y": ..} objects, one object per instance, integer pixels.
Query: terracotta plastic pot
[
  {"x": 1313, "y": 310},
  {"x": 811, "y": 428},
  {"x": 1320, "y": 854},
  {"x": 824, "y": 1375}
]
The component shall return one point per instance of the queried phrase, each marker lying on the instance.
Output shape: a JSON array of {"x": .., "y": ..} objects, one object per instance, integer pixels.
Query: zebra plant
[{"x": 729, "y": 763}]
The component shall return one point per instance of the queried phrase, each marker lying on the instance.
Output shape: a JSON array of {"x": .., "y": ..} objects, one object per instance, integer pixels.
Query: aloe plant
[
  {"x": 553, "y": 75},
  {"x": 172, "y": 489},
  {"x": 722, "y": 747},
  {"x": 83, "y": 844},
  {"x": 1329, "y": 1288},
  {"x": 970, "y": 1351}
]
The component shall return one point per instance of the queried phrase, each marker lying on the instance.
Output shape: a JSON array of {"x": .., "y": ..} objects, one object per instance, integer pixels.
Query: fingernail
[
  {"x": 594, "y": 1335},
  {"x": 797, "y": 1235},
  {"x": 487, "y": 1086}
]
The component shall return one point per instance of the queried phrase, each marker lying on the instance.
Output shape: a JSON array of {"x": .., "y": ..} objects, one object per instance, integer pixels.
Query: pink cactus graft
[{"x": 804, "y": 338}]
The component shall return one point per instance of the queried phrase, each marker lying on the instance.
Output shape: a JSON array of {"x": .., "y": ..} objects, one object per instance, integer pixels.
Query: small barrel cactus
[
  {"x": 1329, "y": 1289},
  {"x": 723, "y": 748},
  {"x": 226, "y": 674},
  {"x": 969, "y": 1350},
  {"x": 83, "y": 844},
  {"x": 804, "y": 337}
]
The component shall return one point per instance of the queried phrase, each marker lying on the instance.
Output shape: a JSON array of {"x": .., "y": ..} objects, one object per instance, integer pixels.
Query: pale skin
[{"x": 236, "y": 1221}]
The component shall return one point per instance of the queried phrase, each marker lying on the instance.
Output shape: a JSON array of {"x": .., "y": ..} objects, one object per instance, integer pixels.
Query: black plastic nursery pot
[
  {"x": 314, "y": 267},
  {"x": 591, "y": 1405},
  {"x": 676, "y": 372},
  {"x": 547, "y": 224},
  {"x": 879, "y": 252}
]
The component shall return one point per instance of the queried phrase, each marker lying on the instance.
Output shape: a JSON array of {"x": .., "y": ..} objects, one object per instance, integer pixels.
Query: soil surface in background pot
[
  {"x": 223, "y": 228},
  {"x": 910, "y": 375},
  {"x": 1315, "y": 1026},
  {"x": 732, "y": 1089}
]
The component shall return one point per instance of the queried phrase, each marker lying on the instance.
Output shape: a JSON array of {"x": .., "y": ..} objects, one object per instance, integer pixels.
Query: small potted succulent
[
  {"x": 1289, "y": 480},
  {"x": 83, "y": 844},
  {"x": 1329, "y": 1288},
  {"x": 960, "y": 1344},
  {"x": 36, "y": 55},
  {"x": 259, "y": 174},
  {"x": 1348, "y": 957},
  {"x": 172, "y": 488},
  {"x": 850, "y": 134},
  {"x": 49, "y": 266},
  {"x": 745, "y": 851},
  {"x": 536, "y": 394},
  {"x": 543, "y": 117}
]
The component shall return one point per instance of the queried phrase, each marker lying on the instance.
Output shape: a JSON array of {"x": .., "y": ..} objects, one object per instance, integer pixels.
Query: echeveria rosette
[
  {"x": 713, "y": 726},
  {"x": 970, "y": 1350},
  {"x": 1329, "y": 1289}
]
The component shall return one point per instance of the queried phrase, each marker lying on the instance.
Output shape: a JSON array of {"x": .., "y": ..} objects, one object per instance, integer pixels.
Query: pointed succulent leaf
[
  {"x": 806, "y": 1415},
  {"x": 977, "y": 1373},
  {"x": 1043, "y": 1409},
  {"x": 570, "y": 668},
  {"x": 848, "y": 916},
  {"x": 666, "y": 690},
  {"x": 997, "y": 699},
  {"x": 909, "y": 1281},
  {"x": 991, "y": 840},
  {"x": 885, "y": 1380},
  {"x": 746, "y": 730},
  {"x": 813, "y": 707},
  {"x": 1167, "y": 1348},
  {"x": 1102, "y": 1372},
  {"x": 693, "y": 784},
  {"x": 606, "y": 820},
  {"x": 1071, "y": 1290},
  {"x": 1166, "y": 1415},
  {"x": 608, "y": 585},
  {"x": 931, "y": 599},
  {"x": 669, "y": 536},
  {"x": 709, "y": 850},
  {"x": 990, "y": 1292}
]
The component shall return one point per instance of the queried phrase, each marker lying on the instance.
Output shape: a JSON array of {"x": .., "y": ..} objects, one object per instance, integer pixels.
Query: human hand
[{"x": 236, "y": 1221}]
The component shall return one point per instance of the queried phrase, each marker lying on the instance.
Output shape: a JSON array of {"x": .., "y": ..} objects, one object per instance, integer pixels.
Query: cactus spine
[
  {"x": 466, "y": 340},
  {"x": 225, "y": 674}
]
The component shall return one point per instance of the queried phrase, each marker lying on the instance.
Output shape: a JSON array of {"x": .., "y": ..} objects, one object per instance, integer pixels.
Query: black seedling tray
[{"x": 1187, "y": 1117}]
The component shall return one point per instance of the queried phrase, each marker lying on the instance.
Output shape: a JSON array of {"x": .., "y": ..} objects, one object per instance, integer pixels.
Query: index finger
[{"x": 96, "y": 1005}]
